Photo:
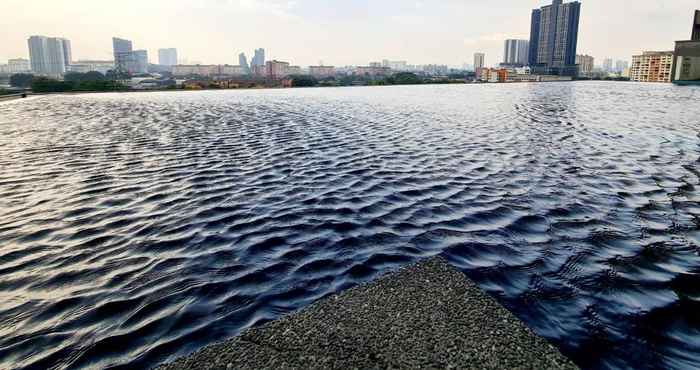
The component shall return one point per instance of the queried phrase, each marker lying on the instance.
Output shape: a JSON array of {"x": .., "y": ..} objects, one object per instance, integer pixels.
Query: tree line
[{"x": 72, "y": 81}]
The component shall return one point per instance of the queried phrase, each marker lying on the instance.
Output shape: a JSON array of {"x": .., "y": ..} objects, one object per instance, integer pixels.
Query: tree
[
  {"x": 23, "y": 80},
  {"x": 405, "y": 78},
  {"x": 91, "y": 76},
  {"x": 43, "y": 84},
  {"x": 303, "y": 81}
]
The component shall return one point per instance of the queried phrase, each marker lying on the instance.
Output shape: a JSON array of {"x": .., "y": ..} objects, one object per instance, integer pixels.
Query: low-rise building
[
  {"x": 585, "y": 63},
  {"x": 211, "y": 70},
  {"x": 276, "y": 70},
  {"x": 84, "y": 66},
  {"x": 322, "y": 71},
  {"x": 19, "y": 65},
  {"x": 493, "y": 75},
  {"x": 652, "y": 66},
  {"x": 294, "y": 70},
  {"x": 372, "y": 71}
]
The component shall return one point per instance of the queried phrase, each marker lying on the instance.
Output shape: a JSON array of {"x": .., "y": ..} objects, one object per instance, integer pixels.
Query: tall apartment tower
[
  {"x": 515, "y": 52},
  {"x": 167, "y": 57},
  {"x": 554, "y": 37},
  {"x": 49, "y": 55},
  {"x": 128, "y": 60},
  {"x": 479, "y": 60},
  {"x": 243, "y": 61},
  {"x": 122, "y": 53},
  {"x": 258, "y": 58}
]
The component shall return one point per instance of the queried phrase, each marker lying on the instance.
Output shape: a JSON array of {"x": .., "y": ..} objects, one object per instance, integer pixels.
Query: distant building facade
[
  {"x": 322, "y": 71},
  {"x": 608, "y": 65},
  {"x": 585, "y": 63},
  {"x": 516, "y": 52},
  {"x": 140, "y": 62},
  {"x": 49, "y": 55},
  {"x": 167, "y": 57},
  {"x": 84, "y": 66},
  {"x": 479, "y": 60},
  {"x": 652, "y": 66},
  {"x": 479, "y": 63},
  {"x": 18, "y": 65},
  {"x": 128, "y": 60},
  {"x": 686, "y": 63},
  {"x": 258, "y": 58},
  {"x": 554, "y": 38},
  {"x": 621, "y": 65},
  {"x": 371, "y": 71},
  {"x": 207, "y": 70},
  {"x": 400, "y": 65},
  {"x": 276, "y": 70},
  {"x": 243, "y": 61},
  {"x": 436, "y": 70}
]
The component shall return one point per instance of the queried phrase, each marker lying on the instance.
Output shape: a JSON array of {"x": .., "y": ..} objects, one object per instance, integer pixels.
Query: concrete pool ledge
[{"x": 428, "y": 315}]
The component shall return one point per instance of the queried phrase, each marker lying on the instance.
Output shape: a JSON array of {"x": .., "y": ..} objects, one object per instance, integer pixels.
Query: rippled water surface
[{"x": 136, "y": 228}]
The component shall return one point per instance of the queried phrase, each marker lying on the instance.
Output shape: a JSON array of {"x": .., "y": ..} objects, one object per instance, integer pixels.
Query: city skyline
[{"x": 299, "y": 31}]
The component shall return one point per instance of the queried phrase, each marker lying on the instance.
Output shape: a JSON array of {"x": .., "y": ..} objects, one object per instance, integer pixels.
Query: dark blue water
[{"x": 136, "y": 228}]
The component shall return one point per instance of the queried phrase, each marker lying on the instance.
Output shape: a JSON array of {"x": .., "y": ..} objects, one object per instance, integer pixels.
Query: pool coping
[{"x": 427, "y": 315}]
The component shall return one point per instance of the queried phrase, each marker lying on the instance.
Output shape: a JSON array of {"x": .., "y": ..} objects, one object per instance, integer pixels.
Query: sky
[{"x": 335, "y": 32}]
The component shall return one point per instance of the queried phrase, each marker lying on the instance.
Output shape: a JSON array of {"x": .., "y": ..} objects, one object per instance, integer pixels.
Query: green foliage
[
  {"x": 75, "y": 82},
  {"x": 405, "y": 78},
  {"x": 44, "y": 84},
  {"x": 303, "y": 81},
  {"x": 84, "y": 77},
  {"x": 4, "y": 92},
  {"x": 22, "y": 80}
]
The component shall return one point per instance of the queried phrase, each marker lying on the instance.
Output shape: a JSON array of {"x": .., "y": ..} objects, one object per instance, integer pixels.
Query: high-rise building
[
  {"x": 585, "y": 64},
  {"x": 123, "y": 56},
  {"x": 140, "y": 62},
  {"x": 167, "y": 57},
  {"x": 515, "y": 52},
  {"x": 608, "y": 65},
  {"x": 554, "y": 37},
  {"x": 686, "y": 62},
  {"x": 67, "y": 52},
  {"x": 243, "y": 61},
  {"x": 479, "y": 60},
  {"x": 479, "y": 63},
  {"x": 652, "y": 66},
  {"x": 49, "y": 55},
  {"x": 258, "y": 58},
  {"x": 128, "y": 60}
]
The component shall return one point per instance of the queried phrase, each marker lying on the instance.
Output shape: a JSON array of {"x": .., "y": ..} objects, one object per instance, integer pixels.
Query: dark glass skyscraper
[{"x": 553, "y": 38}]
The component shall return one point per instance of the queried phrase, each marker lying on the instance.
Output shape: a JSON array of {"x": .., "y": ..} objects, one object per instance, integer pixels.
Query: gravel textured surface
[{"x": 425, "y": 316}]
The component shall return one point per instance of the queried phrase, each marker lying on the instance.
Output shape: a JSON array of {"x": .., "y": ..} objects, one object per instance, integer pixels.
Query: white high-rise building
[
  {"x": 167, "y": 57},
  {"x": 479, "y": 60},
  {"x": 516, "y": 52},
  {"x": 49, "y": 55}
]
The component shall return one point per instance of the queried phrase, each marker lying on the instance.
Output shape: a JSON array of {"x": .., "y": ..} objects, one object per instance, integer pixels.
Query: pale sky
[{"x": 348, "y": 32}]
